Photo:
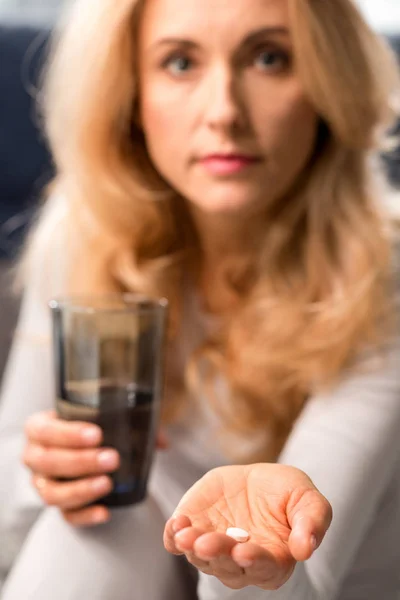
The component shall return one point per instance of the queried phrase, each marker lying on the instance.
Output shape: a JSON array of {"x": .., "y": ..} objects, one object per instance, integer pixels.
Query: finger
[
  {"x": 303, "y": 540},
  {"x": 265, "y": 568},
  {"x": 185, "y": 539},
  {"x": 184, "y": 542},
  {"x": 201, "y": 565},
  {"x": 51, "y": 462},
  {"x": 309, "y": 518},
  {"x": 173, "y": 525},
  {"x": 72, "y": 494},
  {"x": 48, "y": 430},
  {"x": 249, "y": 554},
  {"x": 215, "y": 548},
  {"x": 86, "y": 517},
  {"x": 211, "y": 546},
  {"x": 180, "y": 522}
]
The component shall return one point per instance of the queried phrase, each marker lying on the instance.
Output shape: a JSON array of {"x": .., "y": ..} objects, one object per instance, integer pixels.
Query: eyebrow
[{"x": 249, "y": 40}]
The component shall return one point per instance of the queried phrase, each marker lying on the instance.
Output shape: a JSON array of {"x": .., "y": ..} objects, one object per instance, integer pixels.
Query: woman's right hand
[{"x": 58, "y": 449}]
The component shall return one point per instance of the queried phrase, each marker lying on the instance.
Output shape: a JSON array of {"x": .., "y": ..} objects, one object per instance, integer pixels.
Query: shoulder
[{"x": 43, "y": 263}]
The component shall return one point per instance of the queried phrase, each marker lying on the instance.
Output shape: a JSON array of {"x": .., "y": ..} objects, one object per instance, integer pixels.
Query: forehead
[{"x": 210, "y": 19}]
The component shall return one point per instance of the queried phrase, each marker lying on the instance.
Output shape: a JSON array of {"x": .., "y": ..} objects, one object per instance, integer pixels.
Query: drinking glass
[{"x": 108, "y": 355}]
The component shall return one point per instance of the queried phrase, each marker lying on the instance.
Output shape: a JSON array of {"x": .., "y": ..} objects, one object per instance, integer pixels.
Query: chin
[{"x": 229, "y": 204}]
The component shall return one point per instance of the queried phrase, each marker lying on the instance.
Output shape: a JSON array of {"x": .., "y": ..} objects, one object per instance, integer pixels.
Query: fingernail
[
  {"x": 175, "y": 527},
  {"x": 101, "y": 484},
  {"x": 40, "y": 482},
  {"x": 314, "y": 543},
  {"x": 207, "y": 558},
  {"x": 91, "y": 435},
  {"x": 245, "y": 564},
  {"x": 100, "y": 517},
  {"x": 108, "y": 459}
]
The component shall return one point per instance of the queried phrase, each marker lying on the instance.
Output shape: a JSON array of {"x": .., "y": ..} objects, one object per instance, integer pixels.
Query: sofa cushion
[{"x": 24, "y": 159}]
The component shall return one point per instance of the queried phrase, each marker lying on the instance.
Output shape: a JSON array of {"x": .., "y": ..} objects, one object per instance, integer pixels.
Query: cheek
[
  {"x": 159, "y": 127},
  {"x": 291, "y": 127},
  {"x": 163, "y": 124},
  {"x": 154, "y": 115}
]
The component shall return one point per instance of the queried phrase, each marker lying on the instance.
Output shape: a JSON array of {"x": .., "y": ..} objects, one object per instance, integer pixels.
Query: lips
[{"x": 227, "y": 164}]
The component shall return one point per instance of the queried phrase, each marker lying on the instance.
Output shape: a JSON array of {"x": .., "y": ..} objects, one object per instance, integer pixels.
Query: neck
[
  {"x": 227, "y": 245},
  {"x": 226, "y": 238}
]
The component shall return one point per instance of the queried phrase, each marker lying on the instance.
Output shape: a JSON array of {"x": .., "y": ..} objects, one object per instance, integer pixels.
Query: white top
[{"x": 348, "y": 442}]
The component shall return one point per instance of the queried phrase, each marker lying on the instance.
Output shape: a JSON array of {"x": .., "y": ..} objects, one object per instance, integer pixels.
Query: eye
[
  {"x": 271, "y": 60},
  {"x": 178, "y": 64}
]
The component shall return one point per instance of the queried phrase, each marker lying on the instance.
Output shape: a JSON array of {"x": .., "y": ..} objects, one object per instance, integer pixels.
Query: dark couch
[
  {"x": 24, "y": 160},
  {"x": 392, "y": 160},
  {"x": 25, "y": 164}
]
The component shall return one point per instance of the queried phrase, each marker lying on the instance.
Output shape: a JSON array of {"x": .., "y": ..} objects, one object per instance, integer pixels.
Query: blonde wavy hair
[{"x": 316, "y": 295}]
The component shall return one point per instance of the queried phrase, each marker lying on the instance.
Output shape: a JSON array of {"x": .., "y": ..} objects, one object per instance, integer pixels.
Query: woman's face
[{"x": 225, "y": 117}]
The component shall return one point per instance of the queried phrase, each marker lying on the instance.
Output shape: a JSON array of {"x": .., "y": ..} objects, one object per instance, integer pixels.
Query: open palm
[{"x": 284, "y": 514}]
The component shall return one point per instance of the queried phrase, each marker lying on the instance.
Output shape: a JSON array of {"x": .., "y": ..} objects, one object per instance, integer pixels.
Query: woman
[{"x": 220, "y": 154}]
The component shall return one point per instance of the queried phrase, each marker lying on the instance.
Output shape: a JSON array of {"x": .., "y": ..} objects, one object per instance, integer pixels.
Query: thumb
[{"x": 309, "y": 516}]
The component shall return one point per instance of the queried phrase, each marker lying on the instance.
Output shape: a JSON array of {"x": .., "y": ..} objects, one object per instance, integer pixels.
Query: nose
[{"x": 225, "y": 109}]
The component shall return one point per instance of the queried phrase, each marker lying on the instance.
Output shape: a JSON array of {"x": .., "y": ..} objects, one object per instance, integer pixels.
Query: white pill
[{"x": 240, "y": 535}]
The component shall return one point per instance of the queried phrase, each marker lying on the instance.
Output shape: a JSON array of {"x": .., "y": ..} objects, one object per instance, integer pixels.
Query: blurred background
[
  {"x": 30, "y": 11},
  {"x": 384, "y": 15},
  {"x": 25, "y": 164}
]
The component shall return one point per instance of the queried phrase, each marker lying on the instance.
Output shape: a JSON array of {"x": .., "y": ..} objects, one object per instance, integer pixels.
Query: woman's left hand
[{"x": 283, "y": 512}]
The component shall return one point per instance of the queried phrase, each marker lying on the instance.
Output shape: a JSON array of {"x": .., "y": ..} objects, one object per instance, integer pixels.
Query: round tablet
[{"x": 240, "y": 535}]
